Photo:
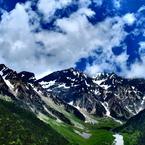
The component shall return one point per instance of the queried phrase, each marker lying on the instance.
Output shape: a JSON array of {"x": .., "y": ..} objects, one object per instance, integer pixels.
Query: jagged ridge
[
  {"x": 104, "y": 95},
  {"x": 18, "y": 88}
]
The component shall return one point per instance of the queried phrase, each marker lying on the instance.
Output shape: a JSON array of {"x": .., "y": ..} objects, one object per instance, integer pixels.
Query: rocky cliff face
[
  {"x": 104, "y": 95},
  {"x": 21, "y": 89},
  {"x": 72, "y": 91}
]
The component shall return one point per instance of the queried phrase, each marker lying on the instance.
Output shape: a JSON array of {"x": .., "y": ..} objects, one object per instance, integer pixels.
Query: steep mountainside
[
  {"x": 104, "y": 95},
  {"x": 17, "y": 88},
  {"x": 78, "y": 128},
  {"x": 134, "y": 129},
  {"x": 20, "y": 127},
  {"x": 81, "y": 108}
]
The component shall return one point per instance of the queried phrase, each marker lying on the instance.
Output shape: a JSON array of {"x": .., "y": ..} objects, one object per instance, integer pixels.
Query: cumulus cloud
[
  {"x": 73, "y": 38},
  {"x": 14, "y": 34},
  {"x": 107, "y": 61},
  {"x": 129, "y": 18},
  {"x": 48, "y": 8},
  {"x": 86, "y": 11},
  {"x": 89, "y": 38},
  {"x": 22, "y": 49},
  {"x": 17, "y": 45},
  {"x": 137, "y": 69}
]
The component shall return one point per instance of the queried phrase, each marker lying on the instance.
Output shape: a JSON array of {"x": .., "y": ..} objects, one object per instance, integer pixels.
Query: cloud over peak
[{"x": 25, "y": 43}]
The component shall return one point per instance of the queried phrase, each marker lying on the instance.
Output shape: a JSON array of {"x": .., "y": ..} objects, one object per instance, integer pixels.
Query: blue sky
[{"x": 43, "y": 36}]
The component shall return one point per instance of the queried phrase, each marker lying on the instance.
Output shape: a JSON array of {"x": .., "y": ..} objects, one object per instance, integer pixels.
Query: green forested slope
[
  {"x": 134, "y": 130},
  {"x": 20, "y": 127}
]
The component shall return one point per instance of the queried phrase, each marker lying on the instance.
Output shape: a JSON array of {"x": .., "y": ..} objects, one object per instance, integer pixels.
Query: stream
[{"x": 118, "y": 138}]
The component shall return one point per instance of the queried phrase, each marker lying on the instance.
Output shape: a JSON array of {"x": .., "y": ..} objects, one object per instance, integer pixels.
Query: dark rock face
[
  {"x": 28, "y": 76},
  {"x": 24, "y": 92},
  {"x": 74, "y": 86},
  {"x": 106, "y": 94}
]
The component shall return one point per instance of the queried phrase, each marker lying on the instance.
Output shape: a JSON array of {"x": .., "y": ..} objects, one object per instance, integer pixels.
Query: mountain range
[
  {"x": 104, "y": 95},
  {"x": 71, "y": 102}
]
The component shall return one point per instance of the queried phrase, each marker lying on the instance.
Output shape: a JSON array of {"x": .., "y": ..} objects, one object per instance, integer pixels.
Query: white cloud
[
  {"x": 48, "y": 7},
  {"x": 17, "y": 44},
  {"x": 141, "y": 9},
  {"x": 142, "y": 48},
  {"x": 129, "y": 18},
  {"x": 20, "y": 50},
  {"x": 117, "y": 3},
  {"x": 84, "y": 3},
  {"x": 140, "y": 19},
  {"x": 108, "y": 62},
  {"x": 137, "y": 70},
  {"x": 86, "y": 11}
]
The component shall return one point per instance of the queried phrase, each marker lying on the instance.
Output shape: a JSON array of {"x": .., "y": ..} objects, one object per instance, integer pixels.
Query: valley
[
  {"x": 80, "y": 109},
  {"x": 99, "y": 133}
]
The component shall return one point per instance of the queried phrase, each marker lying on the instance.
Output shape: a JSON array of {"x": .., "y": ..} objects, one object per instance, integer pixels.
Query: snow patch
[
  {"x": 96, "y": 92},
  {"x": 1, "y": 72},
  {"x": 143, "y": 101},
  {"x": 9, "y": 84},
  {"x": 98, "y": 82},
  {"x": 87, "y": 83},
  {"x": 71, "y": 103},
  {"x": 142, "y": 105},
  {"x": 105, "y": 86},
  {"x": 74, "y": 73},
  {"x": 32, "y": 78},
  {"x": 133, "y": 87},
  {"x": 73, "y": 80},
  {"x": 85, "y": 75},
  {"x": 130, "y": 110},
  {"x": 117, "y": 120},
  {"x": 76, "y": 85},
  {"x": 64, "y": 86},
  {"x": 111, "y": 76},
  {"x": 47, "y": 84},
  {"x": 105, "y": 105},
  {"x": 77, "y": 107},
  {"x": 113, "y": 81}
]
